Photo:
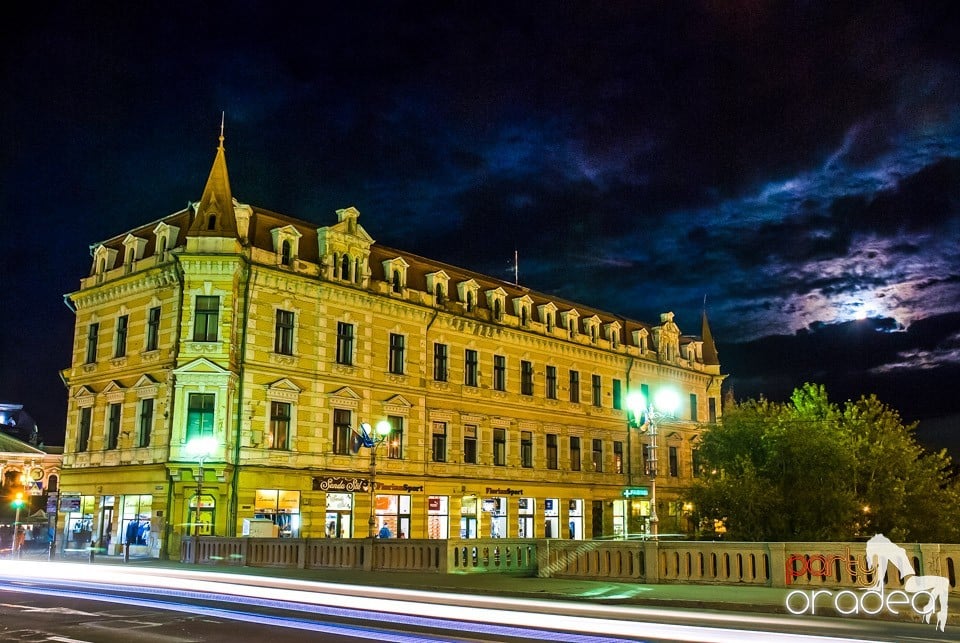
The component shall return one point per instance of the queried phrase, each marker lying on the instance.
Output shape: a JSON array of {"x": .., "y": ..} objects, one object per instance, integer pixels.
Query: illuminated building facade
[{"x": 278, "y": 338}]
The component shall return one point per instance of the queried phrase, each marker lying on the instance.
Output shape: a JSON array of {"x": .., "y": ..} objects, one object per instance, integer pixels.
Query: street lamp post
[
  {"x": 372, "y": 439},
  {"x": 645, "y": 417},
  {"x": 201, "y": 448}
]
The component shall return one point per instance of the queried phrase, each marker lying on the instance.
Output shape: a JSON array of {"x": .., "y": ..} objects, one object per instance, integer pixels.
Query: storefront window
[
  {"x": 496, "y": 509},
  {"x": 575, "y": 522},
  {"x": 525, "y": 524},
  {"x": 551, "y": 518},
  {"x": 438, "y": 521},
  {"x": 78, "y": 520},
  {"x": 393, "y": 512},
  {"x": 135, "y": 515},
  {"x": 339, "y": 518},
  {"x": 468, "y": 518},
  {"x": 282, "y": 507}
]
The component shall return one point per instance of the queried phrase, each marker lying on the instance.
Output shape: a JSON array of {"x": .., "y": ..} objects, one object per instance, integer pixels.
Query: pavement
[{"x": 727, "y": 598}]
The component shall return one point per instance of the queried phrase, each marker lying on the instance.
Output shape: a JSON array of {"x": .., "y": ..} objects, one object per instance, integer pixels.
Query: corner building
[{"x": 276, "y": 339}]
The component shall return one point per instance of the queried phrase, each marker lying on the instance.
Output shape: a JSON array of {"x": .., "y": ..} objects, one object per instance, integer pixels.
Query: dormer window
[
  {"x": 133, "y": 249},
  {"x": 437, "y": 283},
  {"x": 592, "y": 326},
  {"x": 521, "y": 306},
  {"x": 570, "y": 319},
  {"x": 395, "y": 271},
  {"x": 613, "y": 334},
  {"x": 286, "y": 243},
  {"x": 495, "y": 299},
  {"x": 548, "y": 316},
  {"x": 467, "y": 292},
  {"x": 212, "y": 222},
  {"x": 165, "y": 237},
  {"x": 640, "y": 339},
  {"x": 103, "y": 259}
]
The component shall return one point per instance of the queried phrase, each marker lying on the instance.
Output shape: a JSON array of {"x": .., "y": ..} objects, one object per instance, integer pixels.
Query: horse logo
[{"x": 881, "y": 552}]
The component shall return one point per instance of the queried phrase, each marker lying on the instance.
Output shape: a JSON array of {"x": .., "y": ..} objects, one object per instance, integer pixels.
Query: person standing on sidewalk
[{"x": 18, "y": 539}]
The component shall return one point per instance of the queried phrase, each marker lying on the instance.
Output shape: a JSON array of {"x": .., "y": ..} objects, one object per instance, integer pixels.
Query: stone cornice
[{"x": 137, "y": 283}]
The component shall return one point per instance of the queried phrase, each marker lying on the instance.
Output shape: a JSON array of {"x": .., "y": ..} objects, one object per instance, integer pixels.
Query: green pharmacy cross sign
[{"x": 636, "y": 492}]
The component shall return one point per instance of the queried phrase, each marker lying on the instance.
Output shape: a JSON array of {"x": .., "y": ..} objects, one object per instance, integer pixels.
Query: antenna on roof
[{"x": 516, "y": 268}]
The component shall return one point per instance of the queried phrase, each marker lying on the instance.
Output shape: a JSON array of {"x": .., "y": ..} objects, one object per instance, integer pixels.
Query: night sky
[{"x": 794, "y": 165}]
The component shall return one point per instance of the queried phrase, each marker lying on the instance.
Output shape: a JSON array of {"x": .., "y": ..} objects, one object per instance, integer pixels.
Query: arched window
[
  {"x": 345, "y": 270},
  {"x": 212, "y": 221},
  {"x": 356, "y": 270},
  {"x": 549, "y": 322},
  {"x": 396, "y": 281},
  {"x": 162, "y": 246},
  {"x": 523, "y": 316},
  {"x": 438, "y": 293},
  {"x": 497, "y": 310},
  {"x": 336, "y": 266},
  {"x": 285, "y": 257},
  {"x": 469, "y": 301}
]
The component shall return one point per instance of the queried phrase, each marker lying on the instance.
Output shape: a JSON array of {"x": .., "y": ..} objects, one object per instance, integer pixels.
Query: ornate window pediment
[
  {"x": 284, "y": 390},
  {"x": 522, "y": 307},
  {"x": 113, "y": 392},
  {"x": 397, "y": 405},
  {"x": 612, "y": 330},
  {"x": 592, "y": 327},
  {"x": 395, "y": 271},
  {"x": 640, "y": 339},
  {"x": 146, "y": 386},
  {"x": 85, "y": 396},
  {"x": 344, "y": 398},
  {"x": 548, "y": 315},
  {"x": 570, "y": 320},
  {"x": 133, "y": 248}
]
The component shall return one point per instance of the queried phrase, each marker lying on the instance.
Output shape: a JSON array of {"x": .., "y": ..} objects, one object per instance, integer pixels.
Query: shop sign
[
  {"x": 341, "y": 484},
  {"x": 52, "y": 502},
  {"x": 505, "y": 492},
  {"x": 636, "y": 492},
  {"x": 433, "y": 503},
  {"x": 70, "y": 503},
  {"x": 399, "y": 487}
]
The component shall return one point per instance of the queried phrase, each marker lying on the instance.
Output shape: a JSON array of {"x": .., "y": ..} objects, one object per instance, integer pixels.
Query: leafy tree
[{"x": 811, "y": 470}]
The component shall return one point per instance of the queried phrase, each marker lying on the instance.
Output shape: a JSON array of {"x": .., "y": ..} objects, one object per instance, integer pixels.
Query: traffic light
[{"x": 18, "y": 501}]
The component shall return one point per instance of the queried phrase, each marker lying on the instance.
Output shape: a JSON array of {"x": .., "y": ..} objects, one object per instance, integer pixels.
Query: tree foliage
[{"x": 809, "y": 469}]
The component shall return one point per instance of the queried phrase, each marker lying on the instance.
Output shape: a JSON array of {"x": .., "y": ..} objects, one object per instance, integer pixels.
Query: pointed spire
[
  {"x": 710, "y": 356},
  {"x": 214, "y": 214}
]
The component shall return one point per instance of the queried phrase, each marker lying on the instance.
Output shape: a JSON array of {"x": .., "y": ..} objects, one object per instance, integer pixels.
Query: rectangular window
[
  {"x": 674, "y": 463},
  {"x": 206, "y": 320},
  {"x": 618, "y": 456},
  {"x": 153, "y": 328},
  {"x": 93, "y": 333},
  {"x": 83, "y": 430},
  {"x": 470, "y": 444},
  {"x": 283, "y": 333},
  {"x": 499, "y": 373},
  {"x": 617, "y": 395},
  {"x": 597, "y": 455},
  {"x": 470, "y": 368},
  {"x": 439, "y": 441},
  {"x": 574, "y": 453},
  {"x": 575, "y": 386},
  {"x": 146, "y": 422},
  {"x": 551, "y": 383},
  {"x": 344, "y": 343},
  {"x": 440, "y": 362},
  {"x": 526, "y": 449},
  {"x": 500, "y": 447},
  {"x": 120, "y": 340},
  {"x": 113, "y": 426},
  {"x": 526, "y": 378},
  {"x": 693, "y": 407},
  {"x": 279, "y": 426},
  {"x": 697, "y": 464},
  {"x": 712, "y": 409},
  {"x": 341, "y": 431},
  {"x": 199, "y": 415},
  {"x": 396, "y": 353},
  {"x": 596, "y": 390},
  {"x": 552, "y": 459},
  {"x": 395, "y": 441},
  {"x": 645, "y": 391}
]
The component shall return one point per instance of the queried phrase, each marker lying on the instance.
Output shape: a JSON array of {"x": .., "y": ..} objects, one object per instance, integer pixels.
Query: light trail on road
[{"x": 481, "y": 615}]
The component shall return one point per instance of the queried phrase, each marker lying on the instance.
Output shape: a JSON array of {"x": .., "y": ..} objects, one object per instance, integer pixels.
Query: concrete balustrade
[{"x": 795, "y": 565}]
